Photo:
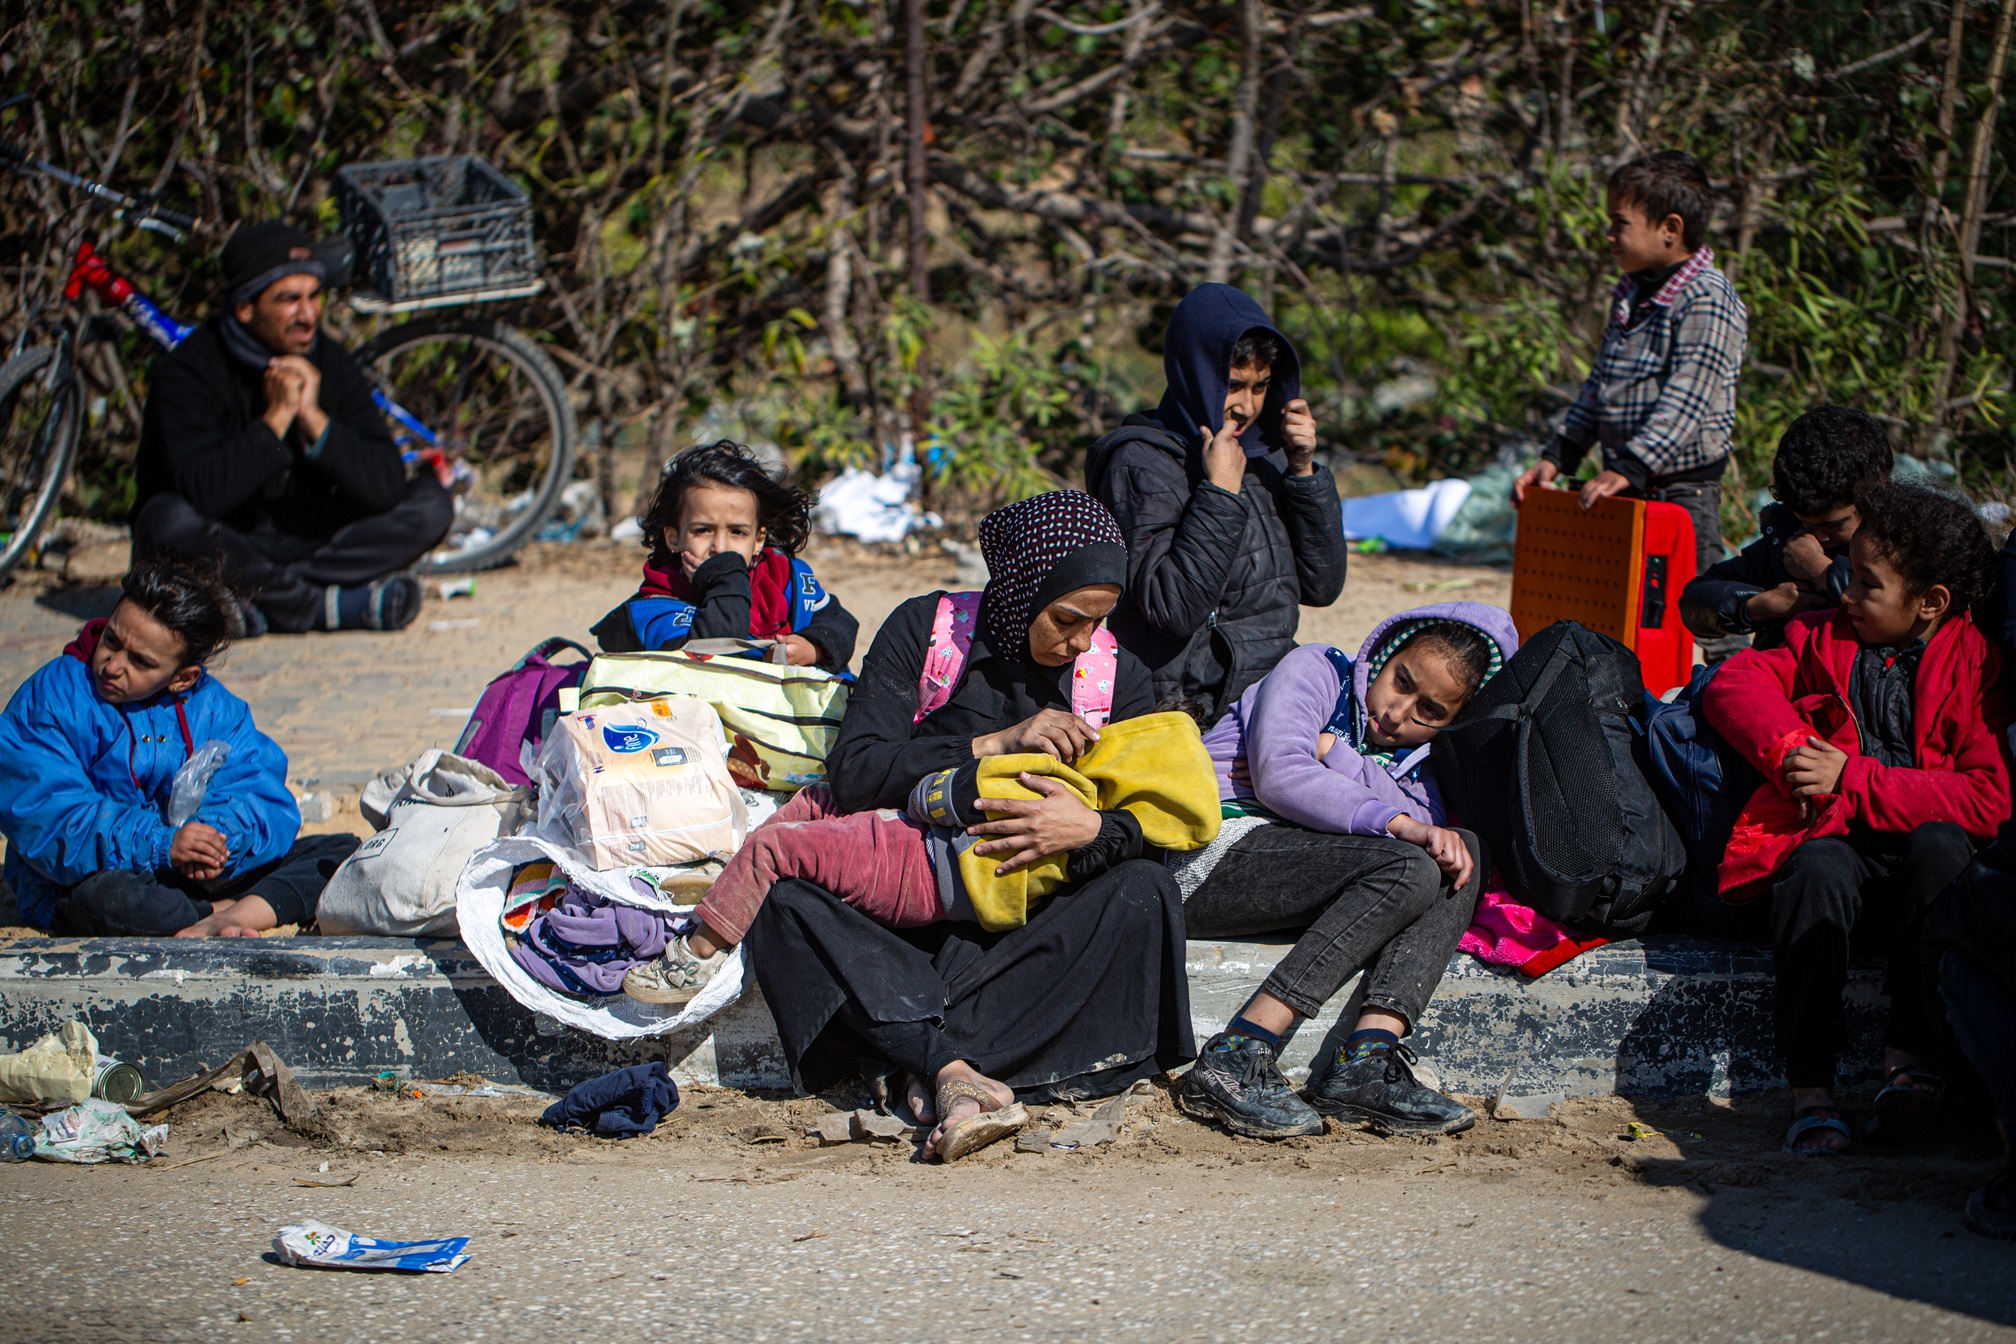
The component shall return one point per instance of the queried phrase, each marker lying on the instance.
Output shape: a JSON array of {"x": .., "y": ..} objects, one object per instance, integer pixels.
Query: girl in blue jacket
[
  {"x": 89, "y": 750},
  {"x": 723, "y": 537}
]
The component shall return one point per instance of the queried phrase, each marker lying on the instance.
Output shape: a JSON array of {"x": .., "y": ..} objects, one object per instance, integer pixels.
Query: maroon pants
[{"x": 875, "y": 861}]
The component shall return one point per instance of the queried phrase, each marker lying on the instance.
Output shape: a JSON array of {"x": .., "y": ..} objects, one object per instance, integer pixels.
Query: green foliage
[{"x": 719, "y": 192}]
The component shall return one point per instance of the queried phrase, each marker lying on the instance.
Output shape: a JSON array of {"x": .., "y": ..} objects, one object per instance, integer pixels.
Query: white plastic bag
[
  {"x": 640, "y": 785},
  {"x": 192, "y": 781},
  {"x": 96, "y": 1130},
  {"x": 431, "y": 817},
  {"x": 320, "y": 1246},
  {"x": 618, "y": 1017}
]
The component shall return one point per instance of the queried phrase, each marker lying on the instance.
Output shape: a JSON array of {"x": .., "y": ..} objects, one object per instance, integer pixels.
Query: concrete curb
[{"x": 1667, "y": 1017}]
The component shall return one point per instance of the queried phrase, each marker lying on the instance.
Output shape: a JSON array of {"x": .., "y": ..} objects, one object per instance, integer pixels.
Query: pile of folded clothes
[{"x": 578, "y": 942}]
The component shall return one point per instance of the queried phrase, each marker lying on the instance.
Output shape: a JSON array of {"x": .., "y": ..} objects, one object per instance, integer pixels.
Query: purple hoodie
[{"x": 1274, "y": 725}]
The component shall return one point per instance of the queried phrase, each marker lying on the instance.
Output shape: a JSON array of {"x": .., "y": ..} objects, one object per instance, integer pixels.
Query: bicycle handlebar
[{"x": 144, "y": 208}]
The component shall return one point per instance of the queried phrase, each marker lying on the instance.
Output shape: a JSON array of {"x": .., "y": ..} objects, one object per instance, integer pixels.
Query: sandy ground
[
  {"x": 729, "y": 1221},
  {"x": 349, "y": 706}
]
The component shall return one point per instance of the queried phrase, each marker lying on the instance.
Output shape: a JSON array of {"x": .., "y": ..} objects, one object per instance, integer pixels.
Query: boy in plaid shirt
[{"x": 1661, "y": 397}]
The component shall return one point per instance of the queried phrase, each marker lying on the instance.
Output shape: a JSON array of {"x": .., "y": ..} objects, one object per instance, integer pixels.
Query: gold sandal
[{"x": 975, "y": 1131}]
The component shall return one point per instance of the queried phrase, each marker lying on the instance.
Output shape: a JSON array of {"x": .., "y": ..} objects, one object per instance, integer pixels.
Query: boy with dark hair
[
  {"x": 1660, "y": 399},
  {"x": 1799, "y": 561},
  {"x": 1231, "y": 528}
]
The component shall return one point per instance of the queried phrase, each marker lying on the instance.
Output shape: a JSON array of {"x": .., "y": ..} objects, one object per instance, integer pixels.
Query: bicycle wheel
[
  {"x": 39, "y": 425},
  {"x": 485, "y": 397}
]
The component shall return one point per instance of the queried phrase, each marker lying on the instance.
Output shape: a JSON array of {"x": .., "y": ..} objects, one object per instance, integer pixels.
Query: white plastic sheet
[
  {"x": 861, "y": 504},
  {"x": 480, "y": 900},
  {"x": 1409, "y": 520}
]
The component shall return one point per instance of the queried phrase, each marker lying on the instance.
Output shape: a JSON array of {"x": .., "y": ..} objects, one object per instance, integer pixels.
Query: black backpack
[
  {"x": 1547, "y": 764},
  {"x": 1704, "y": 783}
]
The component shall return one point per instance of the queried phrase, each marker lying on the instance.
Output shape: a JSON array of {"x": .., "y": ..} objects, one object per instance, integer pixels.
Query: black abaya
[{"x": 1087, "y": 998}]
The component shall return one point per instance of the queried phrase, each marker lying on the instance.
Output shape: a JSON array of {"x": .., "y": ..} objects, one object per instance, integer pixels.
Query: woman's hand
[
  {"x": 198, "y": 852},
  {"x": 1031, "y": 829},
  {"x": 1051, "y": 731},
  {"x": 1444, "y": 846}
]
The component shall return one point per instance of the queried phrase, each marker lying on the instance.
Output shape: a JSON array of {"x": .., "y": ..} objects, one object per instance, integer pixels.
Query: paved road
[{"x": 653, "y": 1241}]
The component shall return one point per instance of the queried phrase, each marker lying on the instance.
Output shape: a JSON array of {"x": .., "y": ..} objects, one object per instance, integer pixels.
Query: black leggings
[
  {"x": 125, "y": 903},
  {"x": 1368, "y": 903},
  {"x": 1877, "y": 886}
]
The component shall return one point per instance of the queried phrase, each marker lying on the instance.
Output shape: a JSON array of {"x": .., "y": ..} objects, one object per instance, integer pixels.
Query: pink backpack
[
  {"x": 518, "y": 709},
  {"x": 952, "y": 635}
]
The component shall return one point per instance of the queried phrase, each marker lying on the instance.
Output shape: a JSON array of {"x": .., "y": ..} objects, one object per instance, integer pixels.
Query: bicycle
[{"x": 468, "y": 397}]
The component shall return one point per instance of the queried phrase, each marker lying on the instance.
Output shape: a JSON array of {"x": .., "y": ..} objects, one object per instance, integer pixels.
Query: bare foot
[
  {"x": 244, "y": 917},
  {"x": 918, "y": 1098},
  {"x": 965, "y": 1107}
]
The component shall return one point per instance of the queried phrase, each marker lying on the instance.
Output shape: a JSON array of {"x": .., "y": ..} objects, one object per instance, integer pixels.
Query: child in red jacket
[{"x": 1878, "y": 731}]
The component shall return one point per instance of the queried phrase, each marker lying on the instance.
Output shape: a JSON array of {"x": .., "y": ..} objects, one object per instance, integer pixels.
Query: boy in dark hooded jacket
[{"x": 1230, "y": 528}]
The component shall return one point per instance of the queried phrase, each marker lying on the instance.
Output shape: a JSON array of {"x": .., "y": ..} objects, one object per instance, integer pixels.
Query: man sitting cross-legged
[{"x": 263, "y": 449}]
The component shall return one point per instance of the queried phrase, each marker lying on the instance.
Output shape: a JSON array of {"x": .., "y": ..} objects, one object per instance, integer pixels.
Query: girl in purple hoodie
[{"x": 1334, "y": 827}]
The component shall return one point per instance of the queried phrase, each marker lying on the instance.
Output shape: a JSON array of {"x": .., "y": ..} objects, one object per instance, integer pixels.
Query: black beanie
[{"x": 259, "y": 254}]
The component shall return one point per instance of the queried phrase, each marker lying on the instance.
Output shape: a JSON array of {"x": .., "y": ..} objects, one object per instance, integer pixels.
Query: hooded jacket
[
  {"x": 1766, "y": 702},
  {"x": 1713, "y": 604},
  {"x": 1215, "y": 579},
  {"x": 84, "y": 784},
  {"x": 1274, "y": 726}
]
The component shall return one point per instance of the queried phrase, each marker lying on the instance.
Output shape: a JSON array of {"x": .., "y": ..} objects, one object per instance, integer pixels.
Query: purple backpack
[{"x": 518, "y": 709}]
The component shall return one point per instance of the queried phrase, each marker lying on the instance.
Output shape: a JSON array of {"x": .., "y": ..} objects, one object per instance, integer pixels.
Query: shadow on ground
[{"x": 84, "y": 601}]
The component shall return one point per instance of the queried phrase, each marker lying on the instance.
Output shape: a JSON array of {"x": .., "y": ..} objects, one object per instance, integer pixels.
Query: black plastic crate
[{"x": 450, "y": 224}]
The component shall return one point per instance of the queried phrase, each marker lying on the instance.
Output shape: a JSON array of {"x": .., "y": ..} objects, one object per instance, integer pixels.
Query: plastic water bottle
[{"x": 17, "y": 1140}]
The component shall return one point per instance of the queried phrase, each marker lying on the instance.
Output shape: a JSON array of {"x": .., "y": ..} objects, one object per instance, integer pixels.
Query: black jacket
[
  {"x": 881, "y": 753},
  {"x": 1712, "y": 604},
  {"x": 202, "y": 438},
  {"x": 1214, "y": 579},
  {"x": 721, "y": 592}
]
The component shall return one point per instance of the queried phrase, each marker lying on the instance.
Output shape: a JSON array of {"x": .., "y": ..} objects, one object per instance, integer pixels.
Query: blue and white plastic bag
[{"x": 320, "y": 1246}]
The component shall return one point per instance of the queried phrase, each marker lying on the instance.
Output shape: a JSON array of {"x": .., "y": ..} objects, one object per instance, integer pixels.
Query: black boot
[
  {"x": 1237, "y": 1082},
  {"x": 1378, "y": 1090}
]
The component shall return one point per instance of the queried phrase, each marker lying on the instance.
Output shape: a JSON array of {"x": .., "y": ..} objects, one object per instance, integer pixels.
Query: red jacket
[{"x": 1766, "y": 702}]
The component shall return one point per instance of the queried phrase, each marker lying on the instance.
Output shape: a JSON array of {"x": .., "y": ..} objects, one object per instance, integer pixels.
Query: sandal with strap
[
  {"x": 1814, "y": 1118},
  {"x": 975, "y": 1131},
  {"x": 1910, "y": 1091}
]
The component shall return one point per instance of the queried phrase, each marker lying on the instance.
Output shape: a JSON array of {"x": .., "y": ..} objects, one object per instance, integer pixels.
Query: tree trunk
[
  {"x": 914, "y": 180},
  {"x": 1239, "y": 154},
  {"x": 1978, "y": 159}
]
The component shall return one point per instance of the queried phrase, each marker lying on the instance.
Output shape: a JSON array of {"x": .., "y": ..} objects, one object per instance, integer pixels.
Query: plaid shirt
[{"x": 1661, "y": 397}]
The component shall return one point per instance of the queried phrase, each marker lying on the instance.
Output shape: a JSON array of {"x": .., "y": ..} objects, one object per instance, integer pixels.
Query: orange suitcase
[{"x": 1617, "y": 568}]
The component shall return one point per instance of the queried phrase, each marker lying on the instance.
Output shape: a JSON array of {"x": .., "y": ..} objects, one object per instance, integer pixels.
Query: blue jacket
[
  {"x": 84, "y": 784},
  {"x": 651, "y": 621}
]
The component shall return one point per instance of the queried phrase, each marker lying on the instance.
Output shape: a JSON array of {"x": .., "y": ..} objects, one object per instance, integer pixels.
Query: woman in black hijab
[{"x": 1090, "y": 995}]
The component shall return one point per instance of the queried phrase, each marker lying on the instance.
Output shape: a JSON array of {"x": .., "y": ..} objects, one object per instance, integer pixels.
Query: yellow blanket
[{"x": 1154, "y": 767}]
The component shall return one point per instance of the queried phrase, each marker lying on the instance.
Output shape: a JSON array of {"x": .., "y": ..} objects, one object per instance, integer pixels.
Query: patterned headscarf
[{"x": 1040, "y": 549}]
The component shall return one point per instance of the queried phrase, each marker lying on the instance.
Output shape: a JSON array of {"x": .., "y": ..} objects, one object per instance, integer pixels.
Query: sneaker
[
  {"x": 674, "y": 978},
  {"x": 1379, "y": 1090},
  {"x": 390, "y": 603},
  {"x": 1237, "y": 1082},
  {"x": 1991, "y": 1210}
]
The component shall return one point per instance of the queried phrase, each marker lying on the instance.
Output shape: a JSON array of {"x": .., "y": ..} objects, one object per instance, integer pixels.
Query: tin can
[{"x": 115, "y": 1081}]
